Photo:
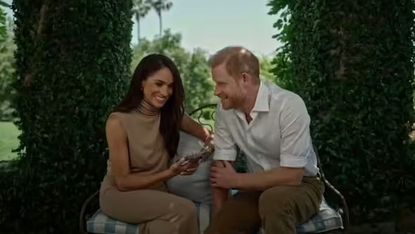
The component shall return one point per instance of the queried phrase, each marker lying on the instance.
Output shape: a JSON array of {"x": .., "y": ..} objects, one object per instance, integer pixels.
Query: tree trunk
[
  {"x": 137, "y": 19},
  {"x": 160, "y": 23}
]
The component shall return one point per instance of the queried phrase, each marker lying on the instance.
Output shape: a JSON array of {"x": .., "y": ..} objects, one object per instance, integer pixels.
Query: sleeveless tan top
[{"x": 147, "y": 153}]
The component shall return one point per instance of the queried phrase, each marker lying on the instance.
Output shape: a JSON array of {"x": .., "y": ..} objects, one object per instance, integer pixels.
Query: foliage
[
  {"x": 142, "y": 7},
  {"x": 4, "y": 4},
  {"x": 3, "y": 29},
  {"x": 356, "y": 79},
  {"x": 7, "y": 75},
  {"x": 193, "y": 67},
  {"x": 159, "y": 6},
  {"x": 282, "y": 65},
  {"x": 168, "y": 44},
  {"x": 140, "y": 10},
  {"x": 266, "y": 68},
  {"x": 197, "y": 82},
  {"x": 72, "y": 64},
  {"x": 8, "y": 197}
]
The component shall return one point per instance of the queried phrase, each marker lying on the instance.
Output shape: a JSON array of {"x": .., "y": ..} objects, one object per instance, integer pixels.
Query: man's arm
[
  {"x": 283, "y": 176},
  {"x": 295, "y": 148},
  {"x": 226, "y": 177},
  {"x": 224, "y": 150},
  {"x": 219, "y": 195}
]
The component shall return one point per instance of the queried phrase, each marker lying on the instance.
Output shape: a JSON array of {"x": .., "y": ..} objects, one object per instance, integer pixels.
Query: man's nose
[{"x": 217, "y": 91}]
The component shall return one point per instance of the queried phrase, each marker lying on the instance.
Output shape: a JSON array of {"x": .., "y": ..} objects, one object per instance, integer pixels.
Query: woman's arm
[
  {"x": 195, "y": 129},
  {"x": 119, "y": 158}
]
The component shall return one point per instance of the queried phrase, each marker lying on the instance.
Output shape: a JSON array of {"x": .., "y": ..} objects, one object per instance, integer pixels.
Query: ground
[{"x": 8, "y": 140}]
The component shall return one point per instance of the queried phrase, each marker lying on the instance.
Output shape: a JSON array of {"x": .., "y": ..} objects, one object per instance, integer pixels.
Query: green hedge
[
  {"x": 73, "y": 61},
  {"x": 352, "y": 62}
]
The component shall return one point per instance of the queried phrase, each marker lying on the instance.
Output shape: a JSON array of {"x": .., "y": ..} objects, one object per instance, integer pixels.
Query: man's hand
[{"x": 223, "y": 177}]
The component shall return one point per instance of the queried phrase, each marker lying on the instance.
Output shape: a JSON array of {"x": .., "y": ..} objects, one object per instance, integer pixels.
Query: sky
[{"x": 214, "y": 24}]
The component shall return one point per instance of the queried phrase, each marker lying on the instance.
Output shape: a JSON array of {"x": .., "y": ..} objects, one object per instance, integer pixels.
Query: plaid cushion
[
  {"x": 326, "y": 220},
  {"x": 101, "y": 223}
]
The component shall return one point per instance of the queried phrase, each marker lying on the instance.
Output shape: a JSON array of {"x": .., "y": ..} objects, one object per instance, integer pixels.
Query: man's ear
[{"x": 245, "y": 76}]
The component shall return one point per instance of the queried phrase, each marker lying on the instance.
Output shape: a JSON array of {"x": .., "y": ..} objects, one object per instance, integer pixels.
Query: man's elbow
[
  {"x": 295, "y": 178},
  {"x": 295, "y": 182}
]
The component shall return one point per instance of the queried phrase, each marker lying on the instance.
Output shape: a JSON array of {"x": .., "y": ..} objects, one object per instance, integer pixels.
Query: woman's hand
[
  {"x": 208, "y": 138},
  {"x": 184, "y": 167}
]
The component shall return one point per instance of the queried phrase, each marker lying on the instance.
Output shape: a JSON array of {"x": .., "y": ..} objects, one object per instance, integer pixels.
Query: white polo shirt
[{"x": 278, "y": 134}]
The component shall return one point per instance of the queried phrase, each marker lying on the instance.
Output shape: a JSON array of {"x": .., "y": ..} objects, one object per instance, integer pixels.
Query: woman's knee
[{"x": 187, "y": 209}]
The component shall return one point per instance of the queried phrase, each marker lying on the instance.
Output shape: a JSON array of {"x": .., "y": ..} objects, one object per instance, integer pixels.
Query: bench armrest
[{"x": 82, "y": 216}]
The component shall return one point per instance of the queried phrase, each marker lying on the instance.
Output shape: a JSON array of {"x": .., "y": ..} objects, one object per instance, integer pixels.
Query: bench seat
[{"x": 326, "y": 220}]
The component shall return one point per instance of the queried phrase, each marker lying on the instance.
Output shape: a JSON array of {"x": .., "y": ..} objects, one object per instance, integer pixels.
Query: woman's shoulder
[
  {"x": 121, "y": 115},
  {"x": 115, "y": 128},
  {"x": 115, "y": 119},
  {"x": 123, "y": 119},
  {"x": 116, "y": 115}
]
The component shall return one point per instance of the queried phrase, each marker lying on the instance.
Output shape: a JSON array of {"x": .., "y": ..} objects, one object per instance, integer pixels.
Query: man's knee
[
  {"x": 238, "y": 215},
  {"x": 159, "y": 226},
  {"x": 276, "y": 201}
]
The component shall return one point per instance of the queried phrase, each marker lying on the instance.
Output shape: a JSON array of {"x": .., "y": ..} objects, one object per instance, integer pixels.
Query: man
[{"x": 271, "y": 126}]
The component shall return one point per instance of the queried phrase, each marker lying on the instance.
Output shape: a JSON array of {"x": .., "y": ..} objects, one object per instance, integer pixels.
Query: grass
[{"x": 8, "y": 140}]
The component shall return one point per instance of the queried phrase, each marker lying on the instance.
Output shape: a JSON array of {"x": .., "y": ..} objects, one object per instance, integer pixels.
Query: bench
[{"x": 327, "y": 220}]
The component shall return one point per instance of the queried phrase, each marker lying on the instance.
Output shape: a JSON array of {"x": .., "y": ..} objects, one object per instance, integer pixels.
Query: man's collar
[{"x": 262, "y": 99}]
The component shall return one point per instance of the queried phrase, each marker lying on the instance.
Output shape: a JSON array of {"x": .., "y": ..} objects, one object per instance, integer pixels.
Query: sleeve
[
  {"x": 225, "y": 148},
  {"x": 296, "y": 144}
]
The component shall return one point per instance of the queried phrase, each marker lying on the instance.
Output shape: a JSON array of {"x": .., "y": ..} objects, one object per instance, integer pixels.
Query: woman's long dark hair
[{"x": 172, "y": 112}]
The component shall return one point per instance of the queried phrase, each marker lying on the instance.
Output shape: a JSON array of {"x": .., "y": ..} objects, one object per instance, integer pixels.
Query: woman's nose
[{"x": 165, "y": 91}]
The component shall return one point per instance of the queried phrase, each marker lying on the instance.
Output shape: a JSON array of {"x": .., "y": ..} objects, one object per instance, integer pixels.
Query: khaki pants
[
  {"x": 278, "y": 209},
  {"x": 157, "y": 212}
]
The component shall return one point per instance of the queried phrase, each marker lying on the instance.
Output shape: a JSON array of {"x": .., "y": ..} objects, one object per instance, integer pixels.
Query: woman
[{"x": 142, "y": 135}]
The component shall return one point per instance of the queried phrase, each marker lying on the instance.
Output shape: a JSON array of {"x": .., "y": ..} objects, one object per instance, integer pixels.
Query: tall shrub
[
  {"x": 352, "y": 63},
  {"x": 73, "y": 61}
]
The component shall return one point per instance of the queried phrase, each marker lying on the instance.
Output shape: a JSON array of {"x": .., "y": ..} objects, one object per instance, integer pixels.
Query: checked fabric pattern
[{"x": 326, "y": 220}]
